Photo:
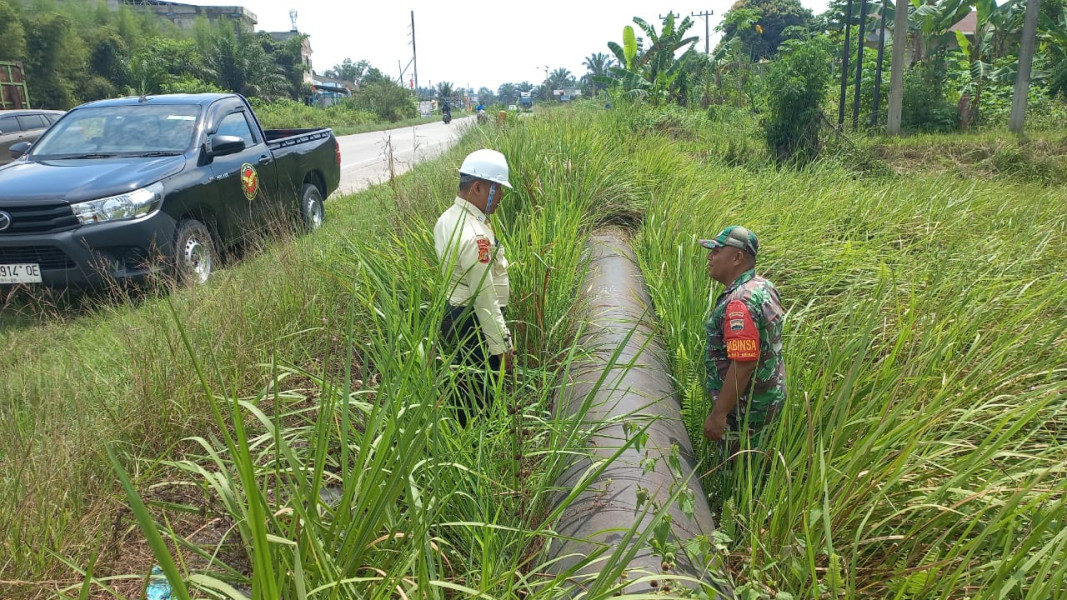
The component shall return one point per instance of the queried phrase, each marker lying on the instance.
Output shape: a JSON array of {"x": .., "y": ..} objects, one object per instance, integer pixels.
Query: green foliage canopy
[
  {"x": 796, "y": 85},
  {"x": 761, "y": 38},
  {"x": 77, "y": 51}
]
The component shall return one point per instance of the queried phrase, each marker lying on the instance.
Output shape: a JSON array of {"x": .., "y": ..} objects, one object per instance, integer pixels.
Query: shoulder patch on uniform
[
  {"x": 483, "y": 250},
  {"x": 741, "y": 335}
]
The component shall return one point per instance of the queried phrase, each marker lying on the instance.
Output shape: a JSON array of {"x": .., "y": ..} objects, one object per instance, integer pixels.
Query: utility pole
[
  {"x": 896, "y": 76},
  {"x": 414, "y": 55},
  {"x": 844, "y": 64},
  {"x": 707, "y": 28},
  {"x": 878, "y": 69},
  {"x": 1017, "y": 120},
  {"x": 861, "y": 38}
]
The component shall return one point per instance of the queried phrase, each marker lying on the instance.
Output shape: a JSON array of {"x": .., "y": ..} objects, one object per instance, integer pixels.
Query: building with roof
[
  {"x": 185, "y": 15},
  {"x": 305, "y": 48},
  {"x": 327, "y": 91},
  {"x": 966, "y": 26}
]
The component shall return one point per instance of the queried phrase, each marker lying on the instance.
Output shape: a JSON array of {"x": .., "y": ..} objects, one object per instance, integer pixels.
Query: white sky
[{"x": 472, "y": 44}]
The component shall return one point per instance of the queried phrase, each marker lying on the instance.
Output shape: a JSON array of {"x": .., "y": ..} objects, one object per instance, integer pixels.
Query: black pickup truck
[{"x": 120, "y": 190}]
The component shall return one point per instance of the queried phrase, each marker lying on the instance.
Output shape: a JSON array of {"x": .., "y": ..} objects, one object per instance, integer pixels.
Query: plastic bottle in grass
[{"x": 158, "y": 586}]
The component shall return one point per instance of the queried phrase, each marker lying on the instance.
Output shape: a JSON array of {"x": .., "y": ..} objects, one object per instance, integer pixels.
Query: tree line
[
  {"x": 778, "y": 59},
  {"x": 74, "y": 52}
]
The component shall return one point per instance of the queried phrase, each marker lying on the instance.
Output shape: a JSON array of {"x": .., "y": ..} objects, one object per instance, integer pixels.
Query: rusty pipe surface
[{"x": 623, "y": 384}]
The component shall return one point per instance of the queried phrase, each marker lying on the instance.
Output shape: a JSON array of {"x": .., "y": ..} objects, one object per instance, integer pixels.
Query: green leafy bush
[
  {"x": 925, "y": 107},
  {"x": 387, "y": 100},
  {"x": 799, "y": 81},
  {"x": 284, "y": 114}
]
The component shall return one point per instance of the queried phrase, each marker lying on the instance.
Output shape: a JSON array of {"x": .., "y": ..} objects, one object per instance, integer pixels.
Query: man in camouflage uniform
[{"x": 745, "y": 371}]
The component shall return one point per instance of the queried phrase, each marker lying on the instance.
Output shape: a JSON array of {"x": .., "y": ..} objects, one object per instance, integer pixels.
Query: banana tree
[
  {"x": 1052, "y": 33},
  {"x": 656, "y": 71},
  {"x": 976, "y": 54},
  {"x": 596, "y": 65},
  {"x": 933, "y": 22}
]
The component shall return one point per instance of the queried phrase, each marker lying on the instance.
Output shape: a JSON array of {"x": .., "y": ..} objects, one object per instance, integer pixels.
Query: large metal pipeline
[{"x": 623, "y": 384}]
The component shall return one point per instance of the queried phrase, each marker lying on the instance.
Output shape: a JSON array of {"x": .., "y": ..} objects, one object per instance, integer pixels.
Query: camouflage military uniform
[{"x": 746, "y": 324}]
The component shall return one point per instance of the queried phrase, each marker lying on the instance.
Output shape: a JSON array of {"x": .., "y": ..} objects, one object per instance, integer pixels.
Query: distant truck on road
[
  {"x": 120, "y": 190},
  {"x": 526, "y": 101}
]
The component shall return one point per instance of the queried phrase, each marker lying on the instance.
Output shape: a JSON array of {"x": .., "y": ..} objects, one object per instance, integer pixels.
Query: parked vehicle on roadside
[
  {"x": 526, "y": 101},
  {"x": 23, "y": 126},
  {"x": 120, "y": 190}
]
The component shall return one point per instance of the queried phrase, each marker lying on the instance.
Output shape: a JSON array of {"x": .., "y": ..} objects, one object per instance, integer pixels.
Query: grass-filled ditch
[
  {"x": 286, "y": 426},
  {"x": 285, "y": 429},
  {"x": 921, "y": 453}
]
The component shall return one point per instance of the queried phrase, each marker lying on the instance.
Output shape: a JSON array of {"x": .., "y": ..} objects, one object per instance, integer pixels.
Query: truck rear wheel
[
  {"x": 195, "y": 255},
  {"x": 312, "y": 207}
]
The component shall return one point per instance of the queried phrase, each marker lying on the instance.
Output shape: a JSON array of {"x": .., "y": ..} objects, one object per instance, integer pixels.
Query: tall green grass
[
  {"x": 921, "y": 452},
  {"x": 310, "y": 366},
  {"x": 422, "y": 508}
]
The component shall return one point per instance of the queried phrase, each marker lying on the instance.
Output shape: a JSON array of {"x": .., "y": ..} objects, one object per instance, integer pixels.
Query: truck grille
[
  {"x": 39, "y": 218},
  {"x": 49, "y": 257}
]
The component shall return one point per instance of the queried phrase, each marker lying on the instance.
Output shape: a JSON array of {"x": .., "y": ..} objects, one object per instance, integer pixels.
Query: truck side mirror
[
  {"x": 222, "y": 145},
  {"x": 17, "y": 150}
]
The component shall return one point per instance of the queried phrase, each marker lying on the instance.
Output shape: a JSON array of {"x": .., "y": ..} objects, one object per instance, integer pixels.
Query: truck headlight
[{"x": 138, "y": 203}]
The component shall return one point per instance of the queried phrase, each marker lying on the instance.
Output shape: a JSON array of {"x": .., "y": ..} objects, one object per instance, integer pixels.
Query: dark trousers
[{"x": 462, "y": 338}]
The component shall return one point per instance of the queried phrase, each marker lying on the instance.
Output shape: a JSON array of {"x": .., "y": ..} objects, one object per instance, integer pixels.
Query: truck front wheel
[
  {"x": 312, "y": 208},
  {"x": 195, "y": 255}
]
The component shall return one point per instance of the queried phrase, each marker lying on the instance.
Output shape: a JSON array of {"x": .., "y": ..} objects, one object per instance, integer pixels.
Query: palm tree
[
  {"x": 508, "y": 93},
  {"x": 559, "y": 79},
  {"x": 596, "y": 66},
  {"x": 444, "y": 90},
  {"x": 241, "y": 65}
]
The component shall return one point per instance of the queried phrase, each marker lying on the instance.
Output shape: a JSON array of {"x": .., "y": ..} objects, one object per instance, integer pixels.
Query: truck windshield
[{"x": 103, "y": 131}]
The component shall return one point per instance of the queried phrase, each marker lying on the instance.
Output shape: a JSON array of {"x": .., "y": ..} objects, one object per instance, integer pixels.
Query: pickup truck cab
[{"x": 120, "y": 190}]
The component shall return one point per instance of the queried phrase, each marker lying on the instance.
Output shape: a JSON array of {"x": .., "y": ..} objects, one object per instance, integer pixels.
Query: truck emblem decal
[
  {"x": 5, "y": 220},
  {"x": 249, "y": 181}
]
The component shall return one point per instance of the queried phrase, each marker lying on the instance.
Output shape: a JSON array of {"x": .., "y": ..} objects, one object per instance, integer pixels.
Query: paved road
[{"x": 364, "y": 160}]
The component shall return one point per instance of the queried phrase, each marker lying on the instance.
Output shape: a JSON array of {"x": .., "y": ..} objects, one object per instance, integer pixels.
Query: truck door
[{"x": 243, "y": 178}]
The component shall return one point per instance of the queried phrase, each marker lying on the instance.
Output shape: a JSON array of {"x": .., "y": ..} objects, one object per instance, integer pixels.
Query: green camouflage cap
[{"x": 735, "y": 236}]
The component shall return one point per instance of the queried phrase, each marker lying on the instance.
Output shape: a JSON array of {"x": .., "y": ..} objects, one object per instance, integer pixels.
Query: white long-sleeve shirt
[{"x": 468, "y": 252}]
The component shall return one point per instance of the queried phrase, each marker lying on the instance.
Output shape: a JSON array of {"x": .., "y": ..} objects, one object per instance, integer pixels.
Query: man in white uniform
[{"x": 473, "y": 260}]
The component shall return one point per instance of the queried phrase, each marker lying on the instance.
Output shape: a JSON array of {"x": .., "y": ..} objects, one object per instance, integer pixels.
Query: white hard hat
[{"x": 486, "y": 164}]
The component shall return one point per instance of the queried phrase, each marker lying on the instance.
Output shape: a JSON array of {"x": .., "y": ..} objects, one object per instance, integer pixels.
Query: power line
[
  {"x": 707, "y": 28},
  {"x": 414, "y": 55}
]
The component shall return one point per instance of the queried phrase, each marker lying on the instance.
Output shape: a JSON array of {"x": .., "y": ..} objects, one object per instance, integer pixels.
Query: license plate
[{"x": 24, "y": 273}]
